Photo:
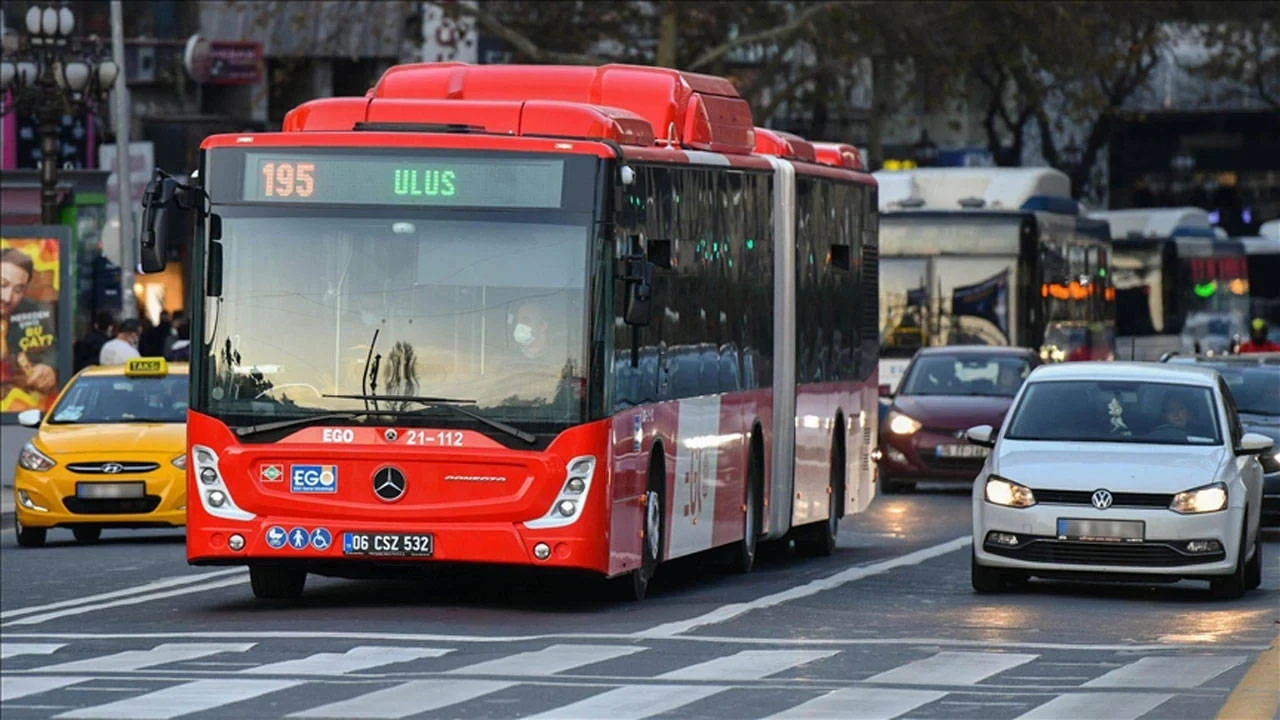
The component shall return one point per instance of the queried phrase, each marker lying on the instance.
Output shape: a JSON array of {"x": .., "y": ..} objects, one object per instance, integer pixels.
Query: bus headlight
[
  {"x": 572, "y": 498},
  {"x": 216, "y": 497}
]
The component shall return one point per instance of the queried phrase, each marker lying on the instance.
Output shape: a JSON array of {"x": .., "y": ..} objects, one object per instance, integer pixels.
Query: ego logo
[{"x": 313, "y": 478}]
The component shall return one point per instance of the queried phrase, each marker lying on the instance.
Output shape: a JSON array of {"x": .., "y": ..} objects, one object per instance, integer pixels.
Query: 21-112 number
[{"x": 288, "y": 179}]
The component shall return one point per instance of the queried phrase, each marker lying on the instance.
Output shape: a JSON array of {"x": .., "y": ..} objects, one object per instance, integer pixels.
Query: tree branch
[
  {"x": 521, "y": 43},
  {"x": 781, "y": 32}
]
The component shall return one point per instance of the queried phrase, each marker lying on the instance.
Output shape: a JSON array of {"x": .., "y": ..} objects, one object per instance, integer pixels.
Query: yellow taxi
[{"x": 110, "y": 454}]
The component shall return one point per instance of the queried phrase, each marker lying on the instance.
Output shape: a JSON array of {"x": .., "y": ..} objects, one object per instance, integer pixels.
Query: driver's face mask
[{"x": 523, "y": 334}]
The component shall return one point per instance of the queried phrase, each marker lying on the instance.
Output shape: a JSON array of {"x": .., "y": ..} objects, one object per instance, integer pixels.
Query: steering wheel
[{"x": 274, "y": 388}]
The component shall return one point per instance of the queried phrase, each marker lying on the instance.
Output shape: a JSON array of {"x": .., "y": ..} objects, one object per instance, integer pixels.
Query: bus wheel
[
  {"x": 28, "y": 537},
  {"x": 276, "y": 583},
  {"x": 746, "y": 550},
  {"x": 636, "y": 586},
  {"x": 821, "y": 539}
]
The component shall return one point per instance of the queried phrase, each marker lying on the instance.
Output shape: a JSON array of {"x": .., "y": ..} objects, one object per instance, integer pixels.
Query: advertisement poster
[
  {"x": 987, "y": 302},
  {"x": 32, "y": 277}
]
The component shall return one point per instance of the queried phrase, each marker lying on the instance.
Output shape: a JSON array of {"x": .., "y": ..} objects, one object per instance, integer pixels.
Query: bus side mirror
[
  {"x": 167, "y": 220},
  {"x": 638, "y": 275}
]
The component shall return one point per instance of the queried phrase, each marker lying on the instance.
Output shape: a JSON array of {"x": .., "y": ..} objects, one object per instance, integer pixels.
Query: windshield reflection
[
  {"x": 1115, "y": 411},
  {"x": 486, "y": 310},
  {"x": 966, "y": 375}
]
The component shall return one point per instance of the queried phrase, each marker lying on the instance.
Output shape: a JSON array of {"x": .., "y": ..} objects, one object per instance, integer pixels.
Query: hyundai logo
[
  {"x": 112, "y": 468},
  {"x": 388, "y": 484},
  {"x": 1101, "y": 499}
]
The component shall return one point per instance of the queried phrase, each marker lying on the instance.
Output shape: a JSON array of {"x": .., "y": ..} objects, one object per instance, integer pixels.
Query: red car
[{"x": 945, "y": 391}]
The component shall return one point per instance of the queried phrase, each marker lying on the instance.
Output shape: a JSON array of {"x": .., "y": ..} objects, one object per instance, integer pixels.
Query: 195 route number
[{"x": 388, "y": 544}]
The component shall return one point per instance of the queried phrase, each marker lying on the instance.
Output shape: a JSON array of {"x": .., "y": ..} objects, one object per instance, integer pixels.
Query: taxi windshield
[
  {"x": 95, "y": 399},
  {"x": 1116, "y": 411}
]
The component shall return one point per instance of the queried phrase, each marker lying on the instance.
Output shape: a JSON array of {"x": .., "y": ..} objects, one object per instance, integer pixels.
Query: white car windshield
[{"x": 1116, "y": 411}]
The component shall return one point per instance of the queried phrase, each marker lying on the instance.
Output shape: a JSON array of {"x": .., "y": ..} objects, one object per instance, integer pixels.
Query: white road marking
[
  {"x": 13, "y": 687},
  {"x": 861, "y": 704},
  {"x": 353, "y": 660},
  {"x": 131, "y": 660},
  {"x": 547, "y": 661},
  {"x": 184, "y": 699},
  {"x": 405, "y": 699},
  {"x": 952, "y": 668},
  {"x": 728, "y": 612},
  {"x": 131, "y": 600},
  {"x": 1167, "y": 672},
  {"x": 260, "y": 635},
  {"x": 12, "y": 649},
  {"x": 1113, "y": 706},
  {"x": 633, "y": 702},
  {"x": 135, "y": 590},
  {"x": 747, "y": 665}
]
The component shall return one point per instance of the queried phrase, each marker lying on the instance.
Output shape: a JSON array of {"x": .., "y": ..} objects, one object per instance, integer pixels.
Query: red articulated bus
[{"x": 585, "y": 318}]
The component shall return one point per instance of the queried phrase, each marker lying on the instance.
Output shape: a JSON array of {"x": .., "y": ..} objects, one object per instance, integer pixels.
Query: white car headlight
[
  {"x": 1210, "y": 498},
  {"x": 900, "y": 424},
  {"x": 1008, "y": 493},
  {"x": 32, "y": 459}
]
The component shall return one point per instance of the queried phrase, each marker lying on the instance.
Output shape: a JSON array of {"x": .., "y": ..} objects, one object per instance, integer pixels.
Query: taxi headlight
[
  {"x": 32, "y": 459},
  {"x": 1210, "y": 498},
  {"x": 180, "y": 462},
  {"x": 900, "y": 424},
  {"x": 1008, "y": 493}
]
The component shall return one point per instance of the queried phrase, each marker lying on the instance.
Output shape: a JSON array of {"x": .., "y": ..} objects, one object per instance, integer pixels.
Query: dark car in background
[
  {"x": 1254, "y": 382},
  {"x": 944, "y": 391}
]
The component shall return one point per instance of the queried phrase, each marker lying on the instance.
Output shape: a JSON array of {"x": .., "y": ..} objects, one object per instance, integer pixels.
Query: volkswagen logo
[
  {"x": 112, "y": 468},
  {"x": 388, "y": 484},
  {"x": 1101, "y": 499}
]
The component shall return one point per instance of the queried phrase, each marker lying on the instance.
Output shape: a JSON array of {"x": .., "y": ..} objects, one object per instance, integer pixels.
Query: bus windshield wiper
[
  {"x": 453, "y": 404},
  {"x": 291, "y": 422}
]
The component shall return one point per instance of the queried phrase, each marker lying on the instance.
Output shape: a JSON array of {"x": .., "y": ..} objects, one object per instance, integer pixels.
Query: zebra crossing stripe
[
  {"x": 405, "y": 699},
  {"x": 1167, "y": 672},
  {"x": 862, "y": 704},
  {"x": 185, "y": 699},
  {"x": 548, "y": 661},
  {"x": 138, "y": 659},
  {"x": 632, "y": 702},
  {"x": 748, "y": 665},
  {"x": 1110, "y": 705},
  {"x": 952, "y": 668},
  {"x": 13, "y": 687},
  {"x": 353, "y": 660},
  {"x": 12, "y": 649}
]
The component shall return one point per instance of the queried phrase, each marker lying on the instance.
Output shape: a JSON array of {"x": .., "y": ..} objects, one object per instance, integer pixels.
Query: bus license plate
[
  {"x": 388, "y": 544},
  {"x": 1101, "y": 530},
  {"x": 110, "y": 490}
]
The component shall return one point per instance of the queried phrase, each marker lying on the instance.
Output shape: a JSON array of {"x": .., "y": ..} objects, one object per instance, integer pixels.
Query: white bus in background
[
  {"x": 985, "y": 255},
  {"x": 1263, "y": 252},
  {"x": 1180, "y": 286}
]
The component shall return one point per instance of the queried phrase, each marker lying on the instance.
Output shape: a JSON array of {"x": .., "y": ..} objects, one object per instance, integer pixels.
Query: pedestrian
[
  {"x": 175, "y": 333},
  {"x": 88, "y": 349},
  {"x": 152, "y": 342},
  {"x": 125, "y": 345}
]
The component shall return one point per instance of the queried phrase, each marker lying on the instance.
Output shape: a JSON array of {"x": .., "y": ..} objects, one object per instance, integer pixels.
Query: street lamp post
[{"x": 49, "y": 75}]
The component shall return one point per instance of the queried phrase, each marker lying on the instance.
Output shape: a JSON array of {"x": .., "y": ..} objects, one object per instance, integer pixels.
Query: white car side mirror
[
  {"x": 983, "y": 435},
  {"x": 30, "y": 418},
  {"x": 1250, "y": 444}
]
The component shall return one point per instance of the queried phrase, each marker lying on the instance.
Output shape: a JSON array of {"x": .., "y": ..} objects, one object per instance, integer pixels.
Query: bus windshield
[{"x": 489, "y": 309}]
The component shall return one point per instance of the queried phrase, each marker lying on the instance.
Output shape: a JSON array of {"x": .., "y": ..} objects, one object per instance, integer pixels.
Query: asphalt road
[{"x": 886, "y": 627}]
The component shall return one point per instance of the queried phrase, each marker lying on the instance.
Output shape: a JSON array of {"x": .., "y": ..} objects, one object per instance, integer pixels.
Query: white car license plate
[
  {"x": 962, "y": 451},
  {"x": 388, "y": 544},
  {"x": 1101, "y": 530},
  {"x": 110, "y": 490}
]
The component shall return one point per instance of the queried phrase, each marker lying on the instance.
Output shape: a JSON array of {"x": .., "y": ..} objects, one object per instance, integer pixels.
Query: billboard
[{"x": 35, "y": 345}]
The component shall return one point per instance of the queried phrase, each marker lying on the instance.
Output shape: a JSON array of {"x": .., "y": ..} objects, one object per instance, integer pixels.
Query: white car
[{"x": 1123, "y": 471}]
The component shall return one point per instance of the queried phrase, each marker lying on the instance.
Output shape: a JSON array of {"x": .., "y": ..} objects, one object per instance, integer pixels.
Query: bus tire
[
  {"x": 28, "y": 537},
  {"x": 820, "y": 539},
  {"x": 271, "y": 582},
  {"x": 746, "y": 550},
  {"x": 636, "y": 584}
]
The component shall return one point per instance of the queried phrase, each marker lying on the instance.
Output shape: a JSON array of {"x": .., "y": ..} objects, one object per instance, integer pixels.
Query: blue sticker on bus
[
  {"x": 276, "y": 537},
  {"x": 321, "y": 539},
  {"x": 313, "y": 478},
  {"x": 299, "y": 538}
]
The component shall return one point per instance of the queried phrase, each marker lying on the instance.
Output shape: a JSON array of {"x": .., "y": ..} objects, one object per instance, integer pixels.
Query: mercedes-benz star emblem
[
  {"x": 112, "y": 468},
  {"x": 390, "y": 434},
  {"x": 388, "y": 484},
  {"x": 1101, "y": 499}
]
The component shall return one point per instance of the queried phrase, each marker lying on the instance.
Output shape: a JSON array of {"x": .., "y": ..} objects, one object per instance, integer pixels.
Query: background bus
[
  {"x": 995, "y": 256},
  {"x": 1263, "y": 254},
  {"x": 704, "y": 378},
  {"x": 1179, "y": 285}
]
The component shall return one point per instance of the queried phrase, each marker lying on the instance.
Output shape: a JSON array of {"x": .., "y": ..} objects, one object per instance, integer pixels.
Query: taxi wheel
[
  {"x": 1253, "y": 570},
  {"x": 276, "y": 583},
  {"x": 87, "y": 534},
  {"x": 28, "y": 536}
]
